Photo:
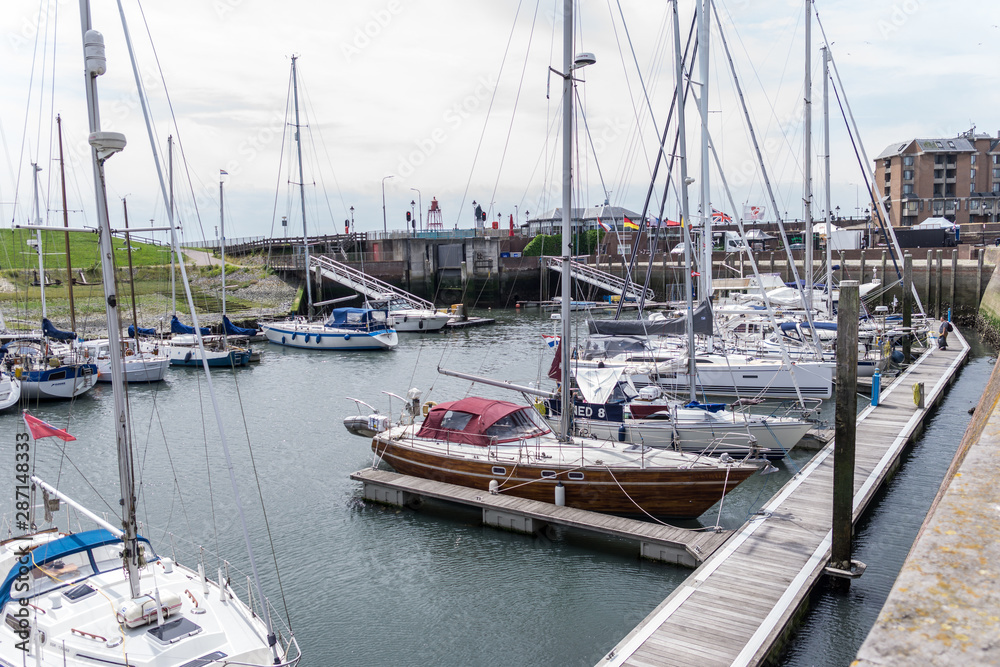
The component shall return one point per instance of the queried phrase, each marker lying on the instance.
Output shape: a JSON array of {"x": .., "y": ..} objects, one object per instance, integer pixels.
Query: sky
[{"x": 448, "y": 100}]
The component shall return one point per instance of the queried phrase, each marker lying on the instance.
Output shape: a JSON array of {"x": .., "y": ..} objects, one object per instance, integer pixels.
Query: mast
[
  {"x": 704, "y": 16},
  {"x": 222, "y": 232},
  {"x": 807, "y": 171},
  {"x": 302, "y": 187},
  {"x": 567, "y": 201},
  {"x": 131, "y": 270},
  {"x": 69, "y": 264},
  {"x": 685, "y": 206},
  {"x": 38, "y": 239},
  {"x": 174, "y": 255},
  {"x": 826, "y": 185},
  {"x": 102, "y": 146}
]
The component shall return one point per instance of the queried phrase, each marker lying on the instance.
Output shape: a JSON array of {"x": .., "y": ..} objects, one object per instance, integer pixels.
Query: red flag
[
  {"x": 695, "y": 274},
  {"x": 40, "y": 429},
  {"x": 555, "y": 370}
]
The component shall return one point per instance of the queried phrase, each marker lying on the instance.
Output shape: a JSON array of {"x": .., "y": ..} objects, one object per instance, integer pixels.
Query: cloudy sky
[{"x": 449, "y": 99}]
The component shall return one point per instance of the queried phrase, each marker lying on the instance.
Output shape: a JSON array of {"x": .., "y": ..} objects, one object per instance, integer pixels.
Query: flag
[
  {"x": 603, "y": 225},
  {"x": 752, "y": 213},
  {"x": 695, "y": 274},
  {"x": 511, "y": 225},
  {"x": 673, "y": 223},
  {"x": 223, "y": 172},
  {"x": 551, "y": 341},
  {"x": 555, "y": 369},
  {"x": 40, "y": 429},
  {"x": 630, "y": 225},
  {"x": 719, "y": 216}
]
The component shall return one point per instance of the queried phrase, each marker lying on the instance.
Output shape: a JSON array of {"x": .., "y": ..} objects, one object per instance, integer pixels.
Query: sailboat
[
  {"x": 346, "y": 328},
  {"x": 103, "y": 596},
  {"x": 502, "y": 447}
]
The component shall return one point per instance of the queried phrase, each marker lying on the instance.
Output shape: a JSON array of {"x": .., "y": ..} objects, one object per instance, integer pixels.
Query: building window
[
  {"x": 996, "y": 172},
  {"x": 972, "y": 188},
  {"x": 973, "y": 157},
  {"x": 907, "y": 189},
  {"x": 938, "y": 206},
  {"x": 938, "y": 159},
  {"x": 951, "y": 144},
  {"x": 938, "y": 174},
  {"x": 972, "y": 174},
  {"x": 888, "y": 177},
  {"x": 996, "y": 187},
  {"x": 973, "y": 204},
  {"x": 907, "y": 160},
  {"x": 908, "y": 175},
  {"x": 996, "y": 159},
  {"x": 911, "y": 207},
  {"x": 887, "y": 189}
]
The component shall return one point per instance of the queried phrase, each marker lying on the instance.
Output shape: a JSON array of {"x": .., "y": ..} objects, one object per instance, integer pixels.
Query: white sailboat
[
  {"x": 346, "y": 328},
  {"x": 104, "y": 596}
]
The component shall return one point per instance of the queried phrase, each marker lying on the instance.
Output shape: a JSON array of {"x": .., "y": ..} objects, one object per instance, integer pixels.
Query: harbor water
[{"x": 368, "y": 584}]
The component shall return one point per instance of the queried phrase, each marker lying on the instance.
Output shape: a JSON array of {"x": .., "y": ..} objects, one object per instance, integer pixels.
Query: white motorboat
[
  {"x": 10, "y": 389},
  {"x": 405, "y": 317},
  {"x": 139, "y": 365},
  {"x": 345, "y": 329}
]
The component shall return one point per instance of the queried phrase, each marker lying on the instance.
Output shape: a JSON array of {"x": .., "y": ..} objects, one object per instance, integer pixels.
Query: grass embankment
[{"x": 250, "y": 289}]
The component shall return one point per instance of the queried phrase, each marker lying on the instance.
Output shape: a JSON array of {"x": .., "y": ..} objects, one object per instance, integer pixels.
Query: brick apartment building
[{"x": 957, "y": 178}]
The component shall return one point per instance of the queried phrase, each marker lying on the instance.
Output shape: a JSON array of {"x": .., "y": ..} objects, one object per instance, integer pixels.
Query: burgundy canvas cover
[{"x": 485, "y": 411}]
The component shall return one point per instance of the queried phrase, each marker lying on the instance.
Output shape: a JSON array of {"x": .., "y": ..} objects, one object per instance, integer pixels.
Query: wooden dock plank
[{"x": 733, "y": 608}]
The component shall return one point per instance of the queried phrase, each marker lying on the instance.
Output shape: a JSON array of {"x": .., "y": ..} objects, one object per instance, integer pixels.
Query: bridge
[{"x": 602, "y": 279}]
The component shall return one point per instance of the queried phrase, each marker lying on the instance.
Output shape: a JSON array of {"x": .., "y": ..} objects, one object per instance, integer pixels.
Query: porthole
[
  {"x": 577, "y": 476},
  {"x": 499, "y": 470},
  {"x": 548, "y": 474}
]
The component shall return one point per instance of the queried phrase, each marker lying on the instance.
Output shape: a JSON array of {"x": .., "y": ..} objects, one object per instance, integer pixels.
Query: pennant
[
  {"x": 223, "y": 172},
  {"x": 630, "y": 225},
  {"x": 40, "y": 429},
  {"x": 551, "y": 341},
  {"x": 719, "y": 216}
]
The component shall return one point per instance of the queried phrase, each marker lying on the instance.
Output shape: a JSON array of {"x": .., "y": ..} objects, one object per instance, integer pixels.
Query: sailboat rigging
[{"x": 104, "y": 595}]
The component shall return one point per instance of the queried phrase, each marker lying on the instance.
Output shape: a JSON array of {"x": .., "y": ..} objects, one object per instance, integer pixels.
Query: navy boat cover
[
  {"x": 233, "y": 330},
  {"x": 50, "y": 331},
  {"x": 142, "y": 332},
  {"x": 179, "y": 328}
]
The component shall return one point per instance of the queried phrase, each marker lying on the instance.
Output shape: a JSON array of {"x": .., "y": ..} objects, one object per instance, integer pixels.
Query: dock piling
[
  {"x": 846, "y": 428},
  {"x": 907, "y": 306}
]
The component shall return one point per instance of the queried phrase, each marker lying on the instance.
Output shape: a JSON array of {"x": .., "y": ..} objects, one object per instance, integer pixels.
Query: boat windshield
[{"x": 517, "y": 426}]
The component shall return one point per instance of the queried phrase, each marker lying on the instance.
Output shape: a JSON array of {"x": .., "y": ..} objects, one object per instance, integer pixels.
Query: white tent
[{"x": 935, "y": 223}]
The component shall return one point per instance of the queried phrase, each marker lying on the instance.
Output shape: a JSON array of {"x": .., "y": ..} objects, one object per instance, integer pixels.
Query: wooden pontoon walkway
[
  {"x": 657, "y": 541},
  {"x": 735, "y": 607}
]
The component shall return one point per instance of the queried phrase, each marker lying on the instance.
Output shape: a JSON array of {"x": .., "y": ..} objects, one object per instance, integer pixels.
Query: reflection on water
[{"x": 376, "y": 585}]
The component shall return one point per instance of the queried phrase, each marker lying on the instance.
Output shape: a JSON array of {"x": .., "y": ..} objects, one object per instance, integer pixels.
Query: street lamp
[
  {"x": 352, "y": 217},
  {"x": 385, "y": 229},
  {"x": 413, "y": 213},
  {"x": 838, "y": 213},
  {"x": 420, "y": 204}
]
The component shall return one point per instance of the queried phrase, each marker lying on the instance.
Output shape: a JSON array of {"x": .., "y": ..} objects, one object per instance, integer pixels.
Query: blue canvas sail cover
[
  {"x": 179, "y": 328},
  {"x": 702, "y": 325},
  {"x": 142, "y": 332},
  {"x": 233, "y": 330},
  {"x": 50, "y": 331}
]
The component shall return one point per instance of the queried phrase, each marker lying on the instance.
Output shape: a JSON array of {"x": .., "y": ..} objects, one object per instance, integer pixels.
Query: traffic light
[{"x": 408, "y": 216}]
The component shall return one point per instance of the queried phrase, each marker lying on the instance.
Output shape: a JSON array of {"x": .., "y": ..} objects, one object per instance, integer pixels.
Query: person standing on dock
[{"x": 943, "y": 333}]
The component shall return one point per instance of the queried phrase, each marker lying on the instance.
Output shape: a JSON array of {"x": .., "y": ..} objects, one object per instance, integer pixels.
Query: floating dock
[
  {"x": 735, "y": 609},
  {"x": 659, "y": 542}
]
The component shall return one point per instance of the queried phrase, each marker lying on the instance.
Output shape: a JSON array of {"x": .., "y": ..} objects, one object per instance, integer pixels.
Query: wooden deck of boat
[
  {"x": 735, "y": 608},
  {"x": 657, "y": 541}
]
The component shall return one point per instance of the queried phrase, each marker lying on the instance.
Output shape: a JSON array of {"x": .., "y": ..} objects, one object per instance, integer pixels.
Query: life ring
[
  {"x": 128, "y": 351},
  {"x": 427, "y": 407},
  {"x": 86, "y": 353}
]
